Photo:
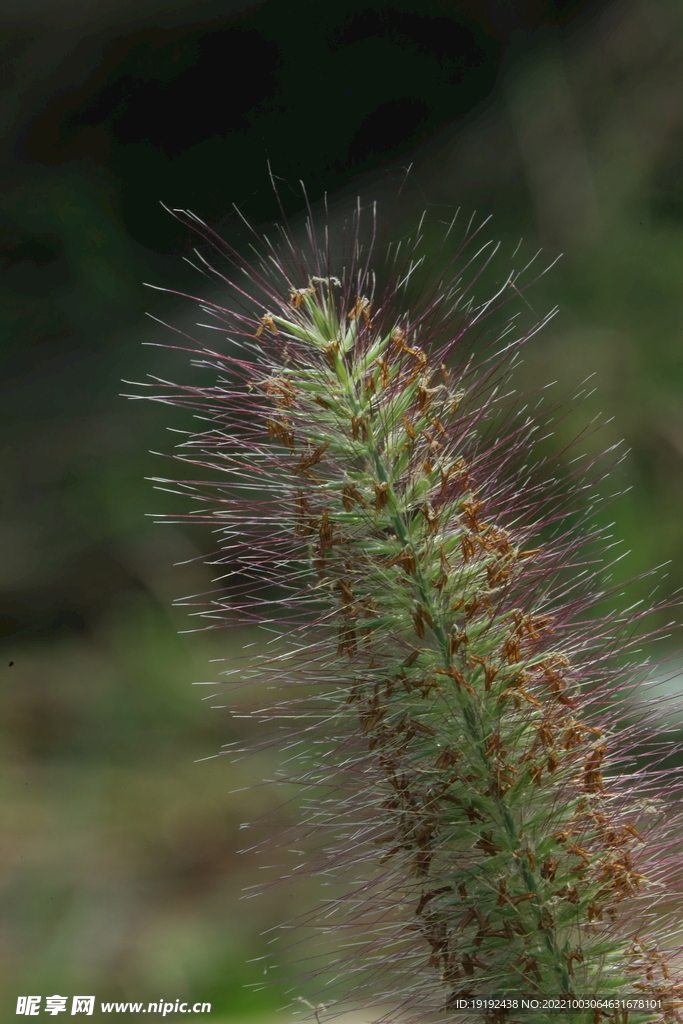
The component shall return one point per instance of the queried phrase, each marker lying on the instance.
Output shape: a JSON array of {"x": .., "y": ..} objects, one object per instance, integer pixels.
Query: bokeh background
[{"x": 564, "y": 120}]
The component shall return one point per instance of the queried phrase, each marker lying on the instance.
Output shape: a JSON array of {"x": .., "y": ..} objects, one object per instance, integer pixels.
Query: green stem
[{"x": 470, "y": 712}]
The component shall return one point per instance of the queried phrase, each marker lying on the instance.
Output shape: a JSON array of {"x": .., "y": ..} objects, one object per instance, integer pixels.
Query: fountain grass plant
[{"x": 482, "y": 780}]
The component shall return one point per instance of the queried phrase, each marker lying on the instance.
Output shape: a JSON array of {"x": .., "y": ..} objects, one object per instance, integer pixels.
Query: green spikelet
[{"x": 513, "y": 855}]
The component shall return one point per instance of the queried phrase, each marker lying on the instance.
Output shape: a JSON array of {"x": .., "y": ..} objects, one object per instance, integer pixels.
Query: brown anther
[
  {"x": 495, "y": 539},
  {"x": 502, "y": 778},
  {"x": 423, "y": 397},
  {"x": 422, "y": 727},
  {"x": 455, "y": 401},
  {"x": 456, "y": 640},
  {"x": 473, "y": 814},
  {"x": 494, "y": 744},
  {"x": 470, "y": 961},
  {"x": 460, "y": 471},
  {"x": 439, "y": 582},
  {"x": 359, "y": 428},
  {"x": 511, "y": 651},
  {"x": 444, "y": 482},
  {"x": 427, "y": 896},
  {"x": 409, "y": 429},
  {"x": 418, "y": 355},
  {"x": 398, "y": 336},
  {"x": 297, "y": 296},
  {"x": 470, "y": 509},
  {"x": 432, "y": 518},
  {"x": 384, "y": 372},
  {"x": 496, "y": 574},
  {"x": 549, "y": 868},
  {"x": 574, "y": 733},
  {"x": 433, "y": 443},
  {"x": 447, "y": 757},
  {"x": 545, "y": 735},
  {"x": 568, "y": 893},
  {"x": 454, "y": 673},
  {"x": 563, "y": 836},
  {"x": 533, "y": 625},
  {"x": 330, "y": 350},
  {"x": 486, "y": 844},
  {"x": 594, "y": 911},
  {"x": 280, "y": 390},
  {"x": 304, "y": 520},
  {"x": 532, "y": 965},
  {"x": 325, "y": 532},
  {"x": 372, "y": 720},
  {"x": 578, "y": 851},
  {"x": 522, "y": 898},
  {"x": 360, "y": 308},
  {"x": 280, "y": 430},
  {"x": 575, "y": 955},
  {"x": 381, "y": 495},
  {"x": 312, "y": 458},
  {"x": 592, "y": 777},
  {"x": 518, "y": 690},
  {"x": 490, "y": 671},
  {"x": 472, "y": 607},
  {"x": 350, "y": 493},
  {"x": 427, "y": 617},
  {"x": 266, "y": 323},
  {"x": 406, "y": 559},
  {"x": 346, "y": 592},
  {"x": 547, "y": 920},
  {"x": 468, "y": 547}
]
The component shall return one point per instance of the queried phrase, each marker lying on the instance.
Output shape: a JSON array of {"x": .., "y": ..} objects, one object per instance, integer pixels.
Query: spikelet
[{"x": 451, "y": 705}]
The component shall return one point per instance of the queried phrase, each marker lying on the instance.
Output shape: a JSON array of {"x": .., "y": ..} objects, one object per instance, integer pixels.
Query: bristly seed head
[{"x": 467, "y": 751}]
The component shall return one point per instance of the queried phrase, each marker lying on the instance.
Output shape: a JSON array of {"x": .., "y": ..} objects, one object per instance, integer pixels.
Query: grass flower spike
[{"x": 480, "y": 776}]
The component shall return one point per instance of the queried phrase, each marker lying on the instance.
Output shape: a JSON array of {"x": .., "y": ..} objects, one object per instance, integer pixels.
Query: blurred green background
[{"x": 120, "y": 873}]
